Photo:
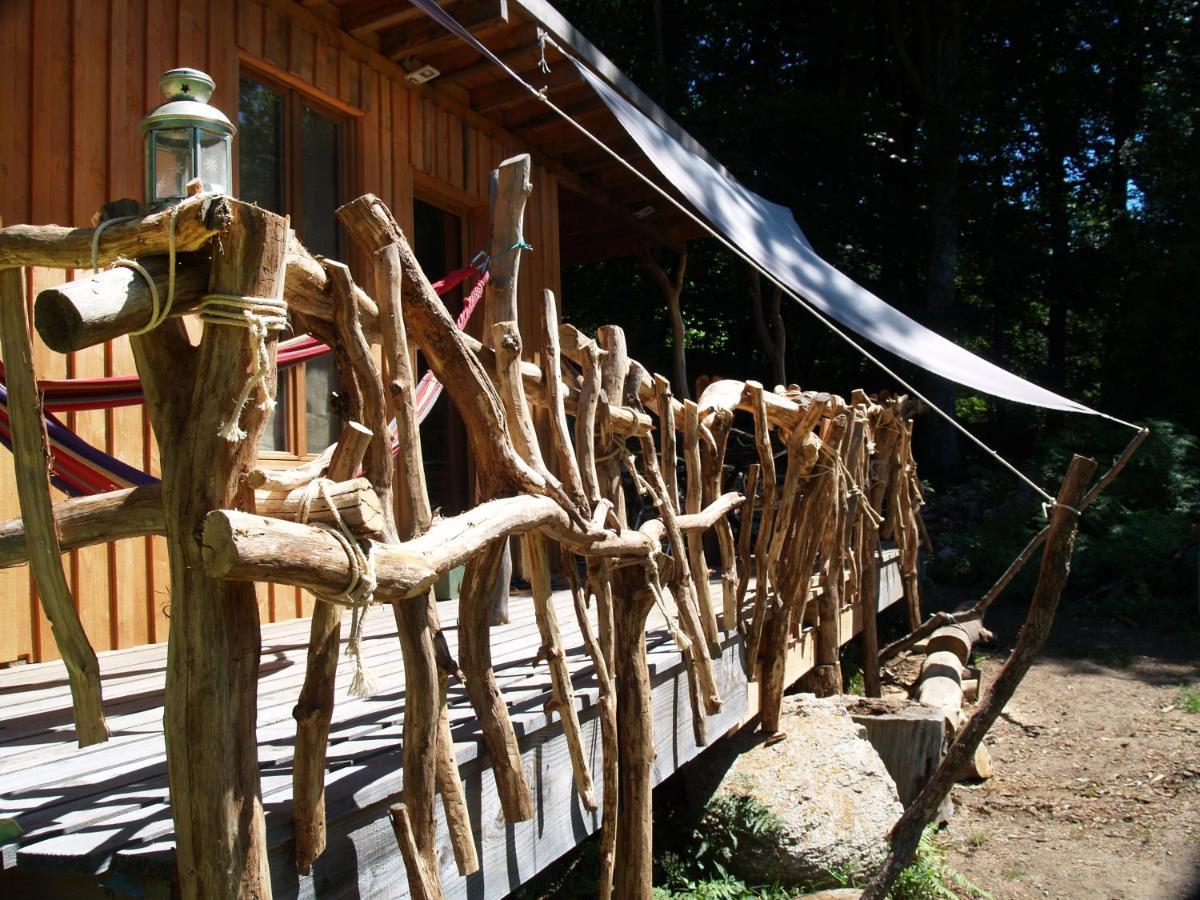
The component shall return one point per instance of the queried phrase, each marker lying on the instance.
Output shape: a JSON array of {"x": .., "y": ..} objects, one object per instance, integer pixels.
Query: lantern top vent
[{"x": 187, "y": 93}]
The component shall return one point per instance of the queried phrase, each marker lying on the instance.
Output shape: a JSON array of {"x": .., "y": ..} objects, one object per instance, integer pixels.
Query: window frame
[{"x": 291, "y": 392}]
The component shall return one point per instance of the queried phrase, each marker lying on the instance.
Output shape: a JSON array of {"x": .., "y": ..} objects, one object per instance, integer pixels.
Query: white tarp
[{"x": 768, "y": 233}]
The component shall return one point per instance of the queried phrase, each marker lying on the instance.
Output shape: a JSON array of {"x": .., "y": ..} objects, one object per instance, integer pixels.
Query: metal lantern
[{"x": 186, "y": 139}]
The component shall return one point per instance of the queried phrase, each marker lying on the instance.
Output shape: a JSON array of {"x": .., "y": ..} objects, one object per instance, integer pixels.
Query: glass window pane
[
  {"x": 321, "y": 139},
  {"x": 214, "y": 162},
  {"x": 172, "y": 162},
  {"x": 274, "y": 436},
  {"x": 321, "y": 424},
  {"x": 260, "y": 145}
]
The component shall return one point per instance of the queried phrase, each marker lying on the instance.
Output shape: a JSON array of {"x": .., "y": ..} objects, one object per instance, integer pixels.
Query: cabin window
[
  {"x": 438, "y": 244},
  {"x": 292, "y": 157}
]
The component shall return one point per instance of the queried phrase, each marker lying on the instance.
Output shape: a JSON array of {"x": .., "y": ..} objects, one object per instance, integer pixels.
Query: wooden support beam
[
  {"x": 426, "y": 36},
  {"x": 31, "y": 464},
  {"x": 212, "y": 666},
  {"x": 84, "y": 521},
  {"x": 635, "y": 734},
  {"x": 193, "y": 221},
  {"x": 97, "y": 308}
]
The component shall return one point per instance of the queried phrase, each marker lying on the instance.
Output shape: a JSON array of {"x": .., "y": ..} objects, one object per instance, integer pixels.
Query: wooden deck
[{"x": 100, "y": 816}]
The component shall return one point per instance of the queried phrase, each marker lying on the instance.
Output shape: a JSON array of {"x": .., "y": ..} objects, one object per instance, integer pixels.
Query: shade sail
[{"x": 768, "y": 234}]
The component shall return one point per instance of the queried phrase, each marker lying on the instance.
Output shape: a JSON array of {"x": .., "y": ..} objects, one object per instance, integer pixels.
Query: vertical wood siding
[{"x": 70, "y": 142}]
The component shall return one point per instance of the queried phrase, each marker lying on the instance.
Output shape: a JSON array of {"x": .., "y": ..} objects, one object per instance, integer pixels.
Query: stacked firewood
[{"x": 810, "y": 529}]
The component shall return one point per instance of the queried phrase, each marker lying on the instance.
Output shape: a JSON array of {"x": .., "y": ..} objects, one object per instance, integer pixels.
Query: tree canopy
[{"x": 1020, "y": 176}]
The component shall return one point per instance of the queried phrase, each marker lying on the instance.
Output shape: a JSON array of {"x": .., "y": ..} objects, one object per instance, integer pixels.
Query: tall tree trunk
[
  {"x": 931, "y": 57},
  {"x": 771, "y": 333}
]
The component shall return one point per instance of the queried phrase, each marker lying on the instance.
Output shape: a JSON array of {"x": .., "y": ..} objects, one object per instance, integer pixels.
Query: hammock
[{"x": 78, "y": 468}]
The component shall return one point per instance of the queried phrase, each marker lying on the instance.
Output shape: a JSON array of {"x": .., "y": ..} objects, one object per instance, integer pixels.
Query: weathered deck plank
[{"x": 103, "y": 809}]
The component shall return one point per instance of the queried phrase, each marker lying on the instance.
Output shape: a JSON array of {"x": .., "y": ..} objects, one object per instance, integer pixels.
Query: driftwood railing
[{"x": 810, "y": 529}]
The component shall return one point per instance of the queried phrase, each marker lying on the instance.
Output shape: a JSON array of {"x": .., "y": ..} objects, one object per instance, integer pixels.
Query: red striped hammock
[{"x": 78, "y": 468}]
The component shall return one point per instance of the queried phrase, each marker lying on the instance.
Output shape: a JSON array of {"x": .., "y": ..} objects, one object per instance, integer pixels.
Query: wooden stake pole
[
  {"x": 314, "y": 707},
  {"x": 635, "y": 735},
  {"x": 506, "y": 340},
  {"x": 695, "y": 544},
  {"x": 607, "y": 704},
  {"x": 31, "y": 464},
  {"x": 764, "y": 575},
  {"x": 745, "y": 532},
  {"x": 429, "y": 760},
  {"x": 1051, "y": 579},
  {"x": 211, "y": 694},
  {"x": 475, "y": 656},
  {"x": 614, "y": 367}
]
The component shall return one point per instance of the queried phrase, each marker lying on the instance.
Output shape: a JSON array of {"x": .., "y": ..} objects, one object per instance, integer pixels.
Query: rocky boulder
[{"x": 831, "y": 798}]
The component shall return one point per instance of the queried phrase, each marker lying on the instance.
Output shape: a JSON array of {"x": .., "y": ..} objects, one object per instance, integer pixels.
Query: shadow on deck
[{"x": 97, "y": 820}]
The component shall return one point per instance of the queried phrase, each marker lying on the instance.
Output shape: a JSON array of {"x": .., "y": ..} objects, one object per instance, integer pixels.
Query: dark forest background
[{"x": 1023, "y": 177}]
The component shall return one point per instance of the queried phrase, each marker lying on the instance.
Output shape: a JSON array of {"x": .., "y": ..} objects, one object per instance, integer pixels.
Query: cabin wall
[{"x": 77, "y": 77}]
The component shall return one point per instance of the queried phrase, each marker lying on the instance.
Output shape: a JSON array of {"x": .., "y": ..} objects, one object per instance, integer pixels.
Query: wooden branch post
[
  {"x": 1056, "y": 560},
  {"x": 213, "y": 654},
  {"x": 635, "y": 735},
  {"x": 31, "y": 462}
]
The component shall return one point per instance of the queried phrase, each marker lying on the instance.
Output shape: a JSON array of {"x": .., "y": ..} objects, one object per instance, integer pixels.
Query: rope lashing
[
  {"x": 159, "y": 311},
  {"x": 261, "y": 316},
  {"x": 521, "y": 244},
  {"x": 359, "y": 591}
]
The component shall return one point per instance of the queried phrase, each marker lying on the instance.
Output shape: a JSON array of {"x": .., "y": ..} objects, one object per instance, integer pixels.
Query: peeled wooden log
[
  {"x": 940, "y": 686},
  {"x": 745, "y": 532},
  {"x": 959, "y": 638},
  {"x": 551, "y": 650},
  {"x": 84, "y": 521},
  {"x": 613, "y": 369},
  {"x": 428, "y": 748},
  {"x": 979, "y": 768},
  {"x": 552, "y": 389},
  {"x": 635, "y": 735},
  {"x": 681, "y": 582},
  {"x": 31, "y": 464},
  {"x": 212, "y": 668},
  {"x": 196, "y": 220},
  {"x": 247, "y": 547},
  {"x": 355, "y": 502},
  {"x": 762, "y": 586},
  {"x": 711, "y": 514}
]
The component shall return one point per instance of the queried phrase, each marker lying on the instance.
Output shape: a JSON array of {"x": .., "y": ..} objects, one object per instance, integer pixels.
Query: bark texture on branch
[
  {"x": 31, "y": 464},
  {"x": 213, "y": 652}
]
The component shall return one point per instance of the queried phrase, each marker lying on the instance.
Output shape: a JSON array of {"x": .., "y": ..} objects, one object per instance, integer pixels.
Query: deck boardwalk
[{"x": 102, "y": 812}]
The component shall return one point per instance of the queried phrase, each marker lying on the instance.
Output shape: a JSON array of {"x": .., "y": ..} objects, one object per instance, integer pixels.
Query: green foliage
[
  {"x": 1136, "y": 548},
  {"x": 931, "y": 877},
  {"x": 699, "y": 865},
  {"x": 1189, "y": 699}
]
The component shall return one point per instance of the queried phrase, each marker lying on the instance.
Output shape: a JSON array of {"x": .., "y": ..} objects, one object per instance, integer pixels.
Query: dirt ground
[{"x": 1096, "y": 785}]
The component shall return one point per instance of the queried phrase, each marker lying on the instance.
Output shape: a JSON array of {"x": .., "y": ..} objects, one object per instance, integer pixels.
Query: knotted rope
[
  {"x": 360, "y": 589},
  {"x": 261, "y": 315}
]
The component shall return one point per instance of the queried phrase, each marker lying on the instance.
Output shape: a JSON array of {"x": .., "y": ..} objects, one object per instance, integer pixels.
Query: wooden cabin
[{"x": 326, "y": 112}]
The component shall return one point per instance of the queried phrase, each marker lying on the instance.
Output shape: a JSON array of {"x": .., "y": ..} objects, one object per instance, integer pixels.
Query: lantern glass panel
[
  {"x": 215, "y": 163},
  {"x": 172, "y": 162}
]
